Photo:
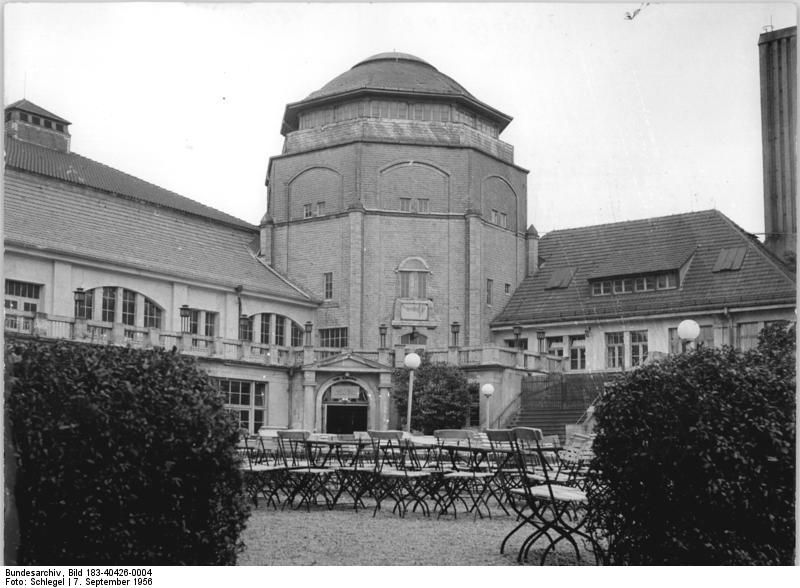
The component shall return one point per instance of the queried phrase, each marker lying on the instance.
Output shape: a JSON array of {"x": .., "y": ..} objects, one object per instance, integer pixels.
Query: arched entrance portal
[{"x": 345, "y": 408}]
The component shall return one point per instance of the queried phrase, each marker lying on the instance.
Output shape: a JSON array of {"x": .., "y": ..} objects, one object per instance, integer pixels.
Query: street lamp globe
[
  {"x": 412, "y": 361},
  {"x": 487, "y": 390},
  {"x": 688, "y": 330}
]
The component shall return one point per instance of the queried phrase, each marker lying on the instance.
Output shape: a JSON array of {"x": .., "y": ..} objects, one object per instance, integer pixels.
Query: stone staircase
[{"x": 552, "y": 402}]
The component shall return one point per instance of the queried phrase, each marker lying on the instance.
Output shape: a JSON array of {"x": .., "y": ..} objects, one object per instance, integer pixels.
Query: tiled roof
[
  {"x": 54, "y": 217},
  {"x": 28, "y": 106},
  {"x": 648, "y": 245},
  {"x": 76, "y": 169},
  {"x": 392, "y": 73}
]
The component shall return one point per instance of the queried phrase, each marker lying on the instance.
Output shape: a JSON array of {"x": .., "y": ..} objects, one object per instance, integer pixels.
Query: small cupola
[{"x": 28, "y": 122}]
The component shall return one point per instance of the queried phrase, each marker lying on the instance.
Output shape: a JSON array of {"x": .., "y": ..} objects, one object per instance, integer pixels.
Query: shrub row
[{"x": 124, "y": 456}]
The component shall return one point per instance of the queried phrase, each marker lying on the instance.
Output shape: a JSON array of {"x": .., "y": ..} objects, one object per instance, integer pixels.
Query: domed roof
[{"x": 392, "y": 73}]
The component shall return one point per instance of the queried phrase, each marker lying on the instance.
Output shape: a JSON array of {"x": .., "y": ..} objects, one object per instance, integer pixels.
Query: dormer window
[{"x": 649, "y": 283}]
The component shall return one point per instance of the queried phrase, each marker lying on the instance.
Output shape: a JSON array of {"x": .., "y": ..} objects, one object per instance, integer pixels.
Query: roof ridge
[{"x": 631, "y": 221}]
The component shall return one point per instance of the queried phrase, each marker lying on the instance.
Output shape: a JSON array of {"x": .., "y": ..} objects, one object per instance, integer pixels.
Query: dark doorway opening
[{"x": 344, "y": 419}]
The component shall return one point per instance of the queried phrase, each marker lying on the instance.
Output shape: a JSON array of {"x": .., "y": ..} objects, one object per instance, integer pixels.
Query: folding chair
[
  {"x": 396, "y": 474},
  {"x": 467, "y": 475},
  {"x": 557, "y": 512},
  {"x": 304, "y": 479},
  {"x": 262, "y": 476}
]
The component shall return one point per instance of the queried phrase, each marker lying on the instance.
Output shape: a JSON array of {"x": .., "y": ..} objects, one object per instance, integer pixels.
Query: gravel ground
[{"x": 343, "y": 537}]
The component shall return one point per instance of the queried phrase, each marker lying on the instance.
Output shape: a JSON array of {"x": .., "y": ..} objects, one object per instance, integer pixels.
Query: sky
[{"x": 615, "y": 118}]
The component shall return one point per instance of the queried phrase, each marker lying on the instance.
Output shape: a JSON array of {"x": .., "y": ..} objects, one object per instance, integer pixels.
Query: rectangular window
[
  {"x": 23, "y": 117},
  {"x": 638, "y": 347},
  {"x": 666, "y": 281},
  {"x": 48, "y": 124},
  {"x": 512, "y": 343},
  {"x": 508, "y": 288},
  {"x": 405, "y": 204},
  {"x": 109, "y": 307},
  {"x": 335, "y": 337},
  {"x": 306, "y": 211},
  {"x": 194, "y": 319},
  {"x": 327, "y": 285},
  {"x": 747, "y": 336},
  {"x": 423, "y": 205},
  {"x": 422, "y": 284},
  {"x": 503, "y": 220},
  {"x": 494, "y": 217},
  {"x": 675, "y": 344},
  {"x": 320, "y": 208},
  {"x": 85, "y": 309},
  {"x": 246, "y": 329},
  {"x": 280, "y": 330},
  {"x": 128, "y": 308},
  {"x": 297, "y": 335},
  {"x": 489, "y": 286},
  {"x": 25, "y": 296},
  {"x": 615, "y": 350},
  {"x": 60, "y": 127},
  {"x": 405, "y": 284},
  {"x": 36, "y": 120},
  {"x": 246, "y": 401},
  {"x": 577, "y": 352},
  {"x": 265, "y": 329},
  {"x": 623, "y": 286},
  {"x": 555, "y": 346},
  {"x": 210, "y": 324}
]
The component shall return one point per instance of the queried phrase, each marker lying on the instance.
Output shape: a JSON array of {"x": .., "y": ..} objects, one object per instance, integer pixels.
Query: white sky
[{"x": 616, "y": 119}]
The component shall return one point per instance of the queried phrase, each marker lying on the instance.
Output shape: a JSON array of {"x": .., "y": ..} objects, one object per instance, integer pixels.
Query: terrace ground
[{"x": 342, "y": 537}]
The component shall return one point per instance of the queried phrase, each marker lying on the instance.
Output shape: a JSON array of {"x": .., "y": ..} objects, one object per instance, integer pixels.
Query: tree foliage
[
  {"x": 695, "y": 458},
  {"x": 441, "y": 398},
  {"x": 124, "y": 456}
]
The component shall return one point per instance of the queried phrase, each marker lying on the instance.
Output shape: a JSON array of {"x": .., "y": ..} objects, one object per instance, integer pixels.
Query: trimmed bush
[
  {"x": 441, "y": 396},
  {"x": 125, "y": 456},
  {"x": 695, "y": 458}
]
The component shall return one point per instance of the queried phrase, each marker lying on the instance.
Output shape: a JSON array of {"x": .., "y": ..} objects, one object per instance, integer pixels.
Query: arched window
[
  {"x": 413, "y": 277},
  {"x": 111, "y": 304},
  {"x": 275, "y": 329}
]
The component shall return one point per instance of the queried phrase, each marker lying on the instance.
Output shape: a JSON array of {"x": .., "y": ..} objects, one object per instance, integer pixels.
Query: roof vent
[{"x": 730, "y": 259}]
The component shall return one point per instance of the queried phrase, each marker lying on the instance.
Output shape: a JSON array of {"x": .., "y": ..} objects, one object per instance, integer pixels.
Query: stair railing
[{"x": 499, "y": 420}]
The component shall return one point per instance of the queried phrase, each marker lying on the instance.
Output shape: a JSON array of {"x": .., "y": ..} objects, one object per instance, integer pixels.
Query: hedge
[
  {"x": 695, "y": 458},
  {"x": 124, "y": 456}
]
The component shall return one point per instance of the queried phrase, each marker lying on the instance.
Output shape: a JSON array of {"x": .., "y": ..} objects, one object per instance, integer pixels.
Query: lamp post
[
  {"x": 540, "y": 338},
  {"x": 487, "y": 390},
  {"x": 688, "y": 331},
  {"x": 412, "y": 362},
  {"x": 455, "y": 328},
  {"x": 382, "y": 330},
  {"x": 517, "y": 333},
  {"x": 308, "y": 333}
]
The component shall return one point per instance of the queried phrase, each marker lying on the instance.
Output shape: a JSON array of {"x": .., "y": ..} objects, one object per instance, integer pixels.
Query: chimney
[
  {"x": 25, "y": 121},
  {"x": 532, "y": 251}
]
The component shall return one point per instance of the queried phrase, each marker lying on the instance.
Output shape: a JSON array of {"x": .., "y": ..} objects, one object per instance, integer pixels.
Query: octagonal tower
[{"x": 396, "y": 203}]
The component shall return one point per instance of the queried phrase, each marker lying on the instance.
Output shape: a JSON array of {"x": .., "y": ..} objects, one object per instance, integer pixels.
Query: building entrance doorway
[{"x": 345, "y": 409}]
